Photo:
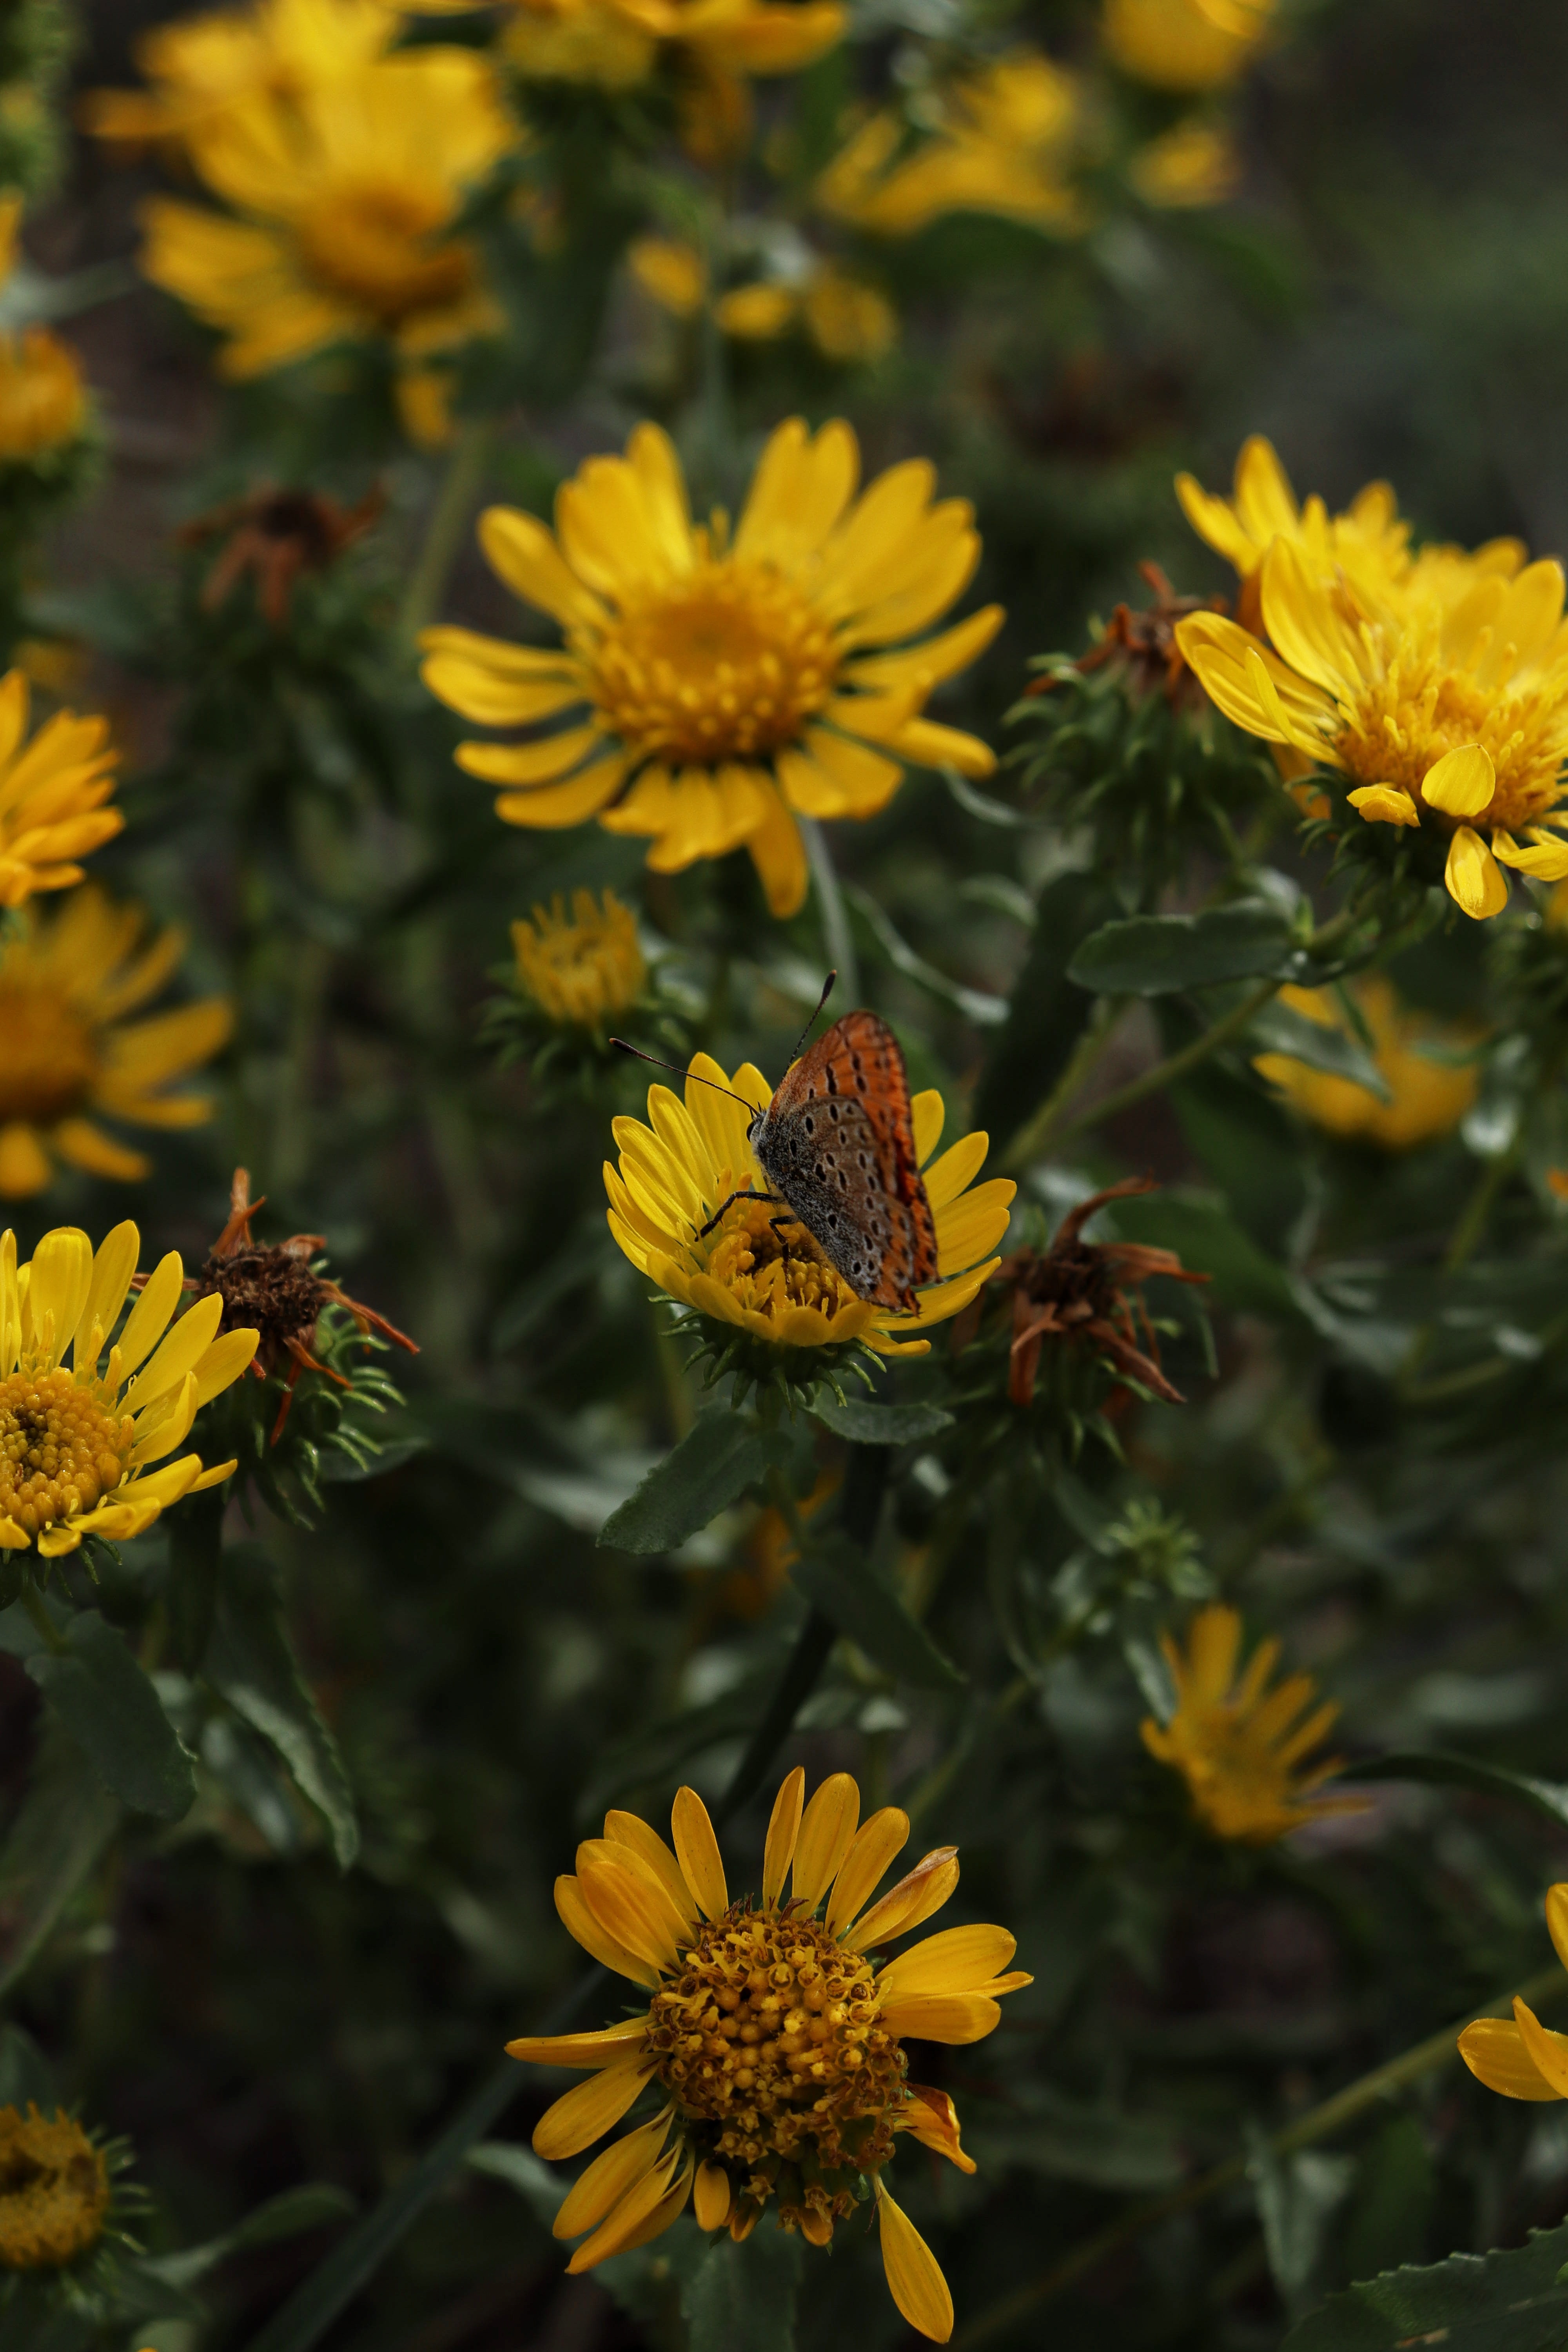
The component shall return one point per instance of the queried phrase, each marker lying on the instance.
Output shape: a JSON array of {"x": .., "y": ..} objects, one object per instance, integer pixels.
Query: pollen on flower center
[
  {"x": 772, "y": 2037},
  {"x": 371, "y": 241},
  {"x": 1400, "y": 725},
  {"x": 46, "y": 1061},
  {"x": 767, "y": 1256},
  {"x": 729, "y": 663},
  {"x": 60, "y": 1450},
  {"x": 54, "y": 2189}
]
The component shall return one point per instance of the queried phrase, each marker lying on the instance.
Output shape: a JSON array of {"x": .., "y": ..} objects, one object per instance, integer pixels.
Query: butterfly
[{"x": 837, "y": 1144}]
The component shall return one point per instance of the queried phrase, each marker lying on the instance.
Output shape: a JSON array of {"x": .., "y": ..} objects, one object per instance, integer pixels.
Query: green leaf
[
  {"x": 1297, "y": 2197},
  {"x": 1070, "y": 2140},
  {"x": 287, "y": 2215},
  {"x": 112, "y": 1712},
  {"x": 540, "y": 2189},
  {"x": 1151, "y": 955},
  {"x": 1509, "y": 2302},
  {"x": 719, "y": 1456},
  {"x": 865, "y": 1604},
  {"x": 66, "y": 1819},
  {"x": 252, "y": 1664},
  {"x": 741, "y": 2298},
  {"x": 1280, "y": 1029},
  {"x": 190, "y": 1595},
  {"x": 1548, "y": 1796},
  {"x": 865, "y": 1422}
]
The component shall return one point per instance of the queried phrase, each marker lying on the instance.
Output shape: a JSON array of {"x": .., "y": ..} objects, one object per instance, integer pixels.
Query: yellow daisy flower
[
  {"x": 52, "y": 792},
  {"x": 728, "y": 681},
  {"x": 1192, "y": 165},
  {"x": 774, "y": 2040},
  {"x": 582, "y": 971},
  {"x": 55, "y": 2189},
  {"x": 1524, "y": 2060},
  {"x": 202, "y": 66},
  {"x": 77, "y": 1441},
  {"x": 1454, "y": 713},
  {"x": 1430, "y": 1097},
  {"x": 845, "y": 317},
  {"x": 66, "y": 982},
  {"x": 760, "y": 1271},
  {"x": 1239, "y": 1746},
  {"x": 1185, "y": 44},
  {"x": 43, "y": 398},
  {"x": 346, "y": 194},
  {"x": 1369, "y": 541},
  {"x": 1001, "y": 141}
]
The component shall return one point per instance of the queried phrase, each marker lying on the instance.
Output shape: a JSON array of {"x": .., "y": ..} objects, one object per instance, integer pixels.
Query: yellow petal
[
  {"x": 610, "y": 2176},
  {"x": 1493, "y": 2049},
  {"x": 577, "y": 2049},
  {"x": 914, "y": 2275},
  {"x": 58, "y": 1288},
  {"x": 932, "y": 2118},
  {"x": 941, "y": 2016},
  {"x": 219, "y": 1366},
  {"x": 637, "y": 2206},
  {"x": 920, "y": 1893},
  {"x": 1476, "y": 881},
  {"x": 1385, "y": 804},
  {"x": 825, "y": 1830},
  {"x": 866, "y": 1862},
  {"x": 148, "y": 1318},
  {"x": 627, "y": 1904},
  {"x": 178, "y": 1354},
  {"x": 1463, "y": 782},
  {"x": 1548, "y": 2052},
  {"x": 579, "y": 1923},
  {"x": 702, "y": 1867},
  {"x": 630, "y": 1830},
  {"x": 113, "y": 1264},
  {"x": 586, "y": 2112},
  {"x": 957, "y": 1960},
  {"x": 1546, "y": 858},
  {"x": 783, "y": 1830},
  {"x": 710, "y": 2197},
  {"x": 1557, "y": 1921}
]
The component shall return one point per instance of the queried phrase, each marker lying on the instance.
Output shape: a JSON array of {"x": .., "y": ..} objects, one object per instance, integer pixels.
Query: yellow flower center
[
  {"x": 771, "y": 2039},
  {"x": 371, "y": 241},
  {"x": 729, "y": 663},
  {"x": 54, "y": 2191},
  {"x": 772, "y": 1263},
  {"x": 60, "y": 1450},
  {"x": 1394, "y": 730},
  {"x": 42, "y": 403},
  {"x": 47, "y": 1064},
  {"x": 582, "y": 971}
]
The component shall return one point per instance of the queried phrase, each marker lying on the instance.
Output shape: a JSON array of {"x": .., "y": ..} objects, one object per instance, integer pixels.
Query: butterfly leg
[{"x": 745, "y": 1193}]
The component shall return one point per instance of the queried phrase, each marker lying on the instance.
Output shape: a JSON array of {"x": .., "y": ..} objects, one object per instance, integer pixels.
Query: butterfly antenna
[
  {"x": 827, "y": 987},
  {"x": 638, "y": 1053}
]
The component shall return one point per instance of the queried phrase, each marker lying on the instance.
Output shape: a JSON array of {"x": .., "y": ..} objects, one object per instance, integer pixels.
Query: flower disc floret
[
  {"x": 771, "y": 2034},
  {"x": 758, "y": 1271},
  {"x": 55, "y": 2189},
  {"x": 79, "y": 1434},
  {"x": 714, "y": 687}
]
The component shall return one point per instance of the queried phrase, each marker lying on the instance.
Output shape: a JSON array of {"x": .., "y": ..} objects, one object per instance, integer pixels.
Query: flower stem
[
  {"x": 1029, "y": 1145},
  {"x": 444, "y": 532},
  {"x": 1472, "y": 1224},
  {"x": 1319, "y": 2123},
  {"x": 837, "y": 943},
  {"x": 1175, "y": 1065},
  {"x": 48, "y": 1632}
]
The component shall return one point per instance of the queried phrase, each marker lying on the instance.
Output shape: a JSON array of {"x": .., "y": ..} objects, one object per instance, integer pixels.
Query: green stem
[
  {"x": 1029, "y": 1145},
  {"x": 1175, "y": 1065},
  {"x": 837, "y": 942},
  {"x": 1320, "y": 2123},
  {"x": 1472, "y": 1226},
  {"x": 48, "y": 1632},
  {"x": 444, "y": 532}
]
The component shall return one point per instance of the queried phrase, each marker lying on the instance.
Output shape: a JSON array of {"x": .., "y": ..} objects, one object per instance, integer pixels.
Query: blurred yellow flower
[
  {"x": 1453, "y": 714},
  {"x": 804, "y": 2095},
  {"x": 201, "y": 67},
  {"x": 52, "y": 792},
  {"x": 845, "y": 317},
  {"x": 77, "y": 1445},
  {"x": 730, "y": 681},
  {"x": 1524, "y": 2059},
  {"x": 1193, "y": 164},
  {"x": 346, "y": 194},
  {"x": 584, "y": 969},
  {"x": 1240, "y": 1746},
  {"x": 43, "y": 399},
  {"x": 66, "y": 981},
  {"x": 763, "y": 1272},
  {"x": 1430, "y": 1097},
  {"x": 1185, "y": 44},
  {"x": 1000, "y": 142},
  {"x": 671, "y": 273},
  {"x": 54, "y": 2189}
]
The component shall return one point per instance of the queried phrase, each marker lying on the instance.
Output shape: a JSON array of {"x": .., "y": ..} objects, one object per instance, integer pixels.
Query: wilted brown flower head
[
  {"x": 1089, "y": 1294},
  {"x": 277, "y": 535},
  {"x": 274, "y": 1288},
  {"x": 1143, "y": 644}
]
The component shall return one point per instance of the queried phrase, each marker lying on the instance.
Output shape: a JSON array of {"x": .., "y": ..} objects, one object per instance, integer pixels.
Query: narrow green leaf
[
  {"x": 251, "y": 1662},
  {"x": 1150, "y": 955},
  {"x": 1548, "y": 1796},
  {"x": 866, "y": 1422},
  {"x": 1280, "y": 1029},
  {"x": 741, "y": 2298},
  {"x": 112, "y": 1712},
  {"x": 720, "y": 1456},
  {"x": 1509, "y": 2302},
  {"x": 865, "y": 1605},
  {"x": 66, "y": 1819}
]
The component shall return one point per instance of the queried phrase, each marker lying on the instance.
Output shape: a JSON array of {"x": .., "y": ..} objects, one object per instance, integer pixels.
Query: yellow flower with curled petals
[
  {"x": 1240, "y": 1746},
  {"x": 758, "y": 1271},
  {"x": 345, "y": 197},
  {"x": 79, "y": 1432},
  {"x": 1368, "y": 540},
  {"x": 582, "y": 970},
  {"x": 1000, "y": 142},
  {"x": 773, "y": 2040},
  {"x": 1185, "y": 44},
  {"x": 52, "y": 795},
  {"x": 201, "y": 67},
  {"x": 1524, "y": 2059},
  {"x": 1448, "y": 714},
  {"x": 714, "y": 685},
  {"x": 1429, "y": 1097},
  {"x": 67, "y": 1054}
]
